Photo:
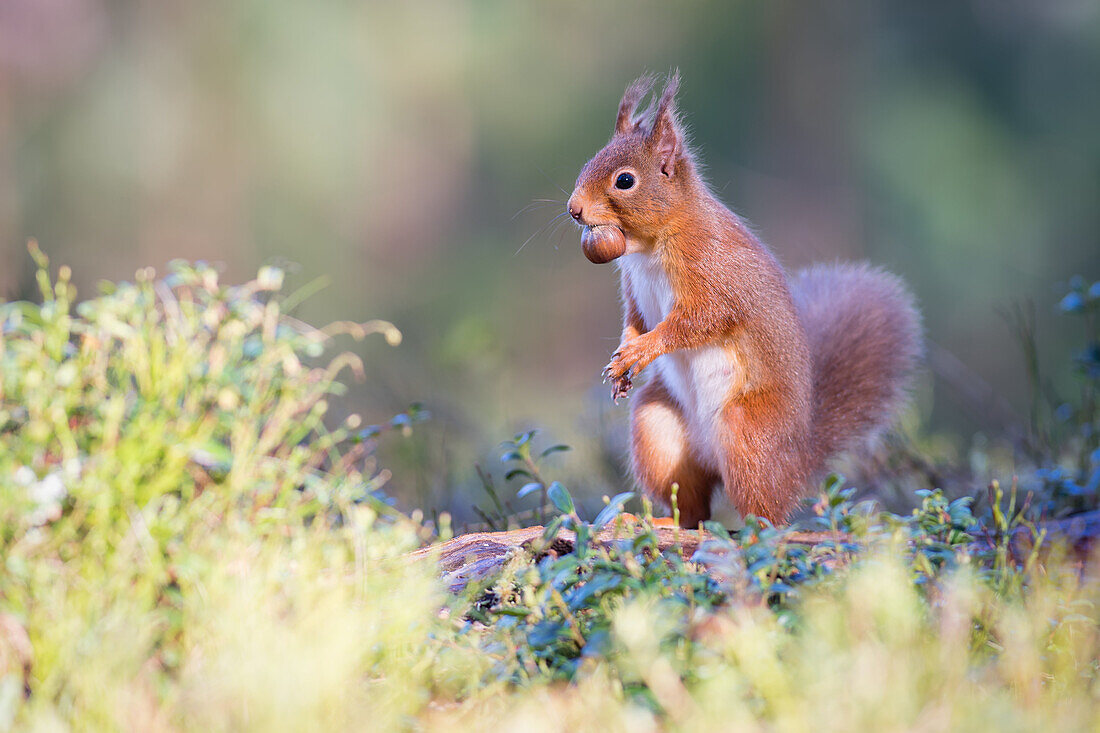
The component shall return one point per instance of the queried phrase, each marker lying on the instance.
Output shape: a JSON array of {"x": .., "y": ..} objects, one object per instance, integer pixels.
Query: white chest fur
[
  {"x": 699, "y": 379},
  {"x": 647, "y": 281}
]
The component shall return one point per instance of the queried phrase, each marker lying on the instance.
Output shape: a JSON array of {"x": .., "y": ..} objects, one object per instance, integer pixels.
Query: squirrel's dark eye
[{"x": 624, "y": 181}]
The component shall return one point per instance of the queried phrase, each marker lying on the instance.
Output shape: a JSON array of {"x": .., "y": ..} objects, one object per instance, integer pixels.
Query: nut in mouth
[{"x": 602, "y": 243}]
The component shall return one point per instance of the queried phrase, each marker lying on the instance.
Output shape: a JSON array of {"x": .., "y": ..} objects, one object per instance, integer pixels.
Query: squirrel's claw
[
  {"x": 625, "y": 363},
  {"x": 620, "y": 387},
  {"x": 620, "y": 381}
]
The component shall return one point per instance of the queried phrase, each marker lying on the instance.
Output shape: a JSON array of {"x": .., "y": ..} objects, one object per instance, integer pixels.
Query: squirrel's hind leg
[
  {"x": 763, "y": 439},
  {"x": 661, "y": 455}
]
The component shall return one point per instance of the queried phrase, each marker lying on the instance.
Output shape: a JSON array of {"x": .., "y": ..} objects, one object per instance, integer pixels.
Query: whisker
[
  {"x": 558, "y": 230},
  {"x": 536, "y": 203},
  {"x": 540, "y": 170},
  {"x": 526, "y": 208},
  {"x": 543, "y": 228}
]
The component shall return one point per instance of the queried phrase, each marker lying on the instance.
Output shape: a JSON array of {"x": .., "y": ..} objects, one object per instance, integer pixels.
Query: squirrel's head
[{"x": 625, "y": 194}]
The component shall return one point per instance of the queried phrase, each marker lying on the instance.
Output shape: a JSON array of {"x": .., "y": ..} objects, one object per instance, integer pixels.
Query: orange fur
[{"x": 760, "y": 379}]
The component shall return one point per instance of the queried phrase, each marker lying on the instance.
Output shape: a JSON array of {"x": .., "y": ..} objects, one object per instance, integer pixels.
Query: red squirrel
[{"x": 758, "y": 377}]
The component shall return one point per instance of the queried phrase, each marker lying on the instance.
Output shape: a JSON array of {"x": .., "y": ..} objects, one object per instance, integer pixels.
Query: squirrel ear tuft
[
  {"x": 666, "y": 136},
  {"x": 634, "y": 93}
]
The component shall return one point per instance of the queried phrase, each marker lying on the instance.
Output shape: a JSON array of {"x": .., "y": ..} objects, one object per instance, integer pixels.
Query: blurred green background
[{"x": 406, "y": 152}]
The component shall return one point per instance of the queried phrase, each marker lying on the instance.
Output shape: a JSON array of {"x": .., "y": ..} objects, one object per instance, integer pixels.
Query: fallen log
[{"x": 475, "y": 556}]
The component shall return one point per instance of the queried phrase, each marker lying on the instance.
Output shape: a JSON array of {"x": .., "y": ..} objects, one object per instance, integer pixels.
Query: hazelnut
[{"x": 603, "y": 243}]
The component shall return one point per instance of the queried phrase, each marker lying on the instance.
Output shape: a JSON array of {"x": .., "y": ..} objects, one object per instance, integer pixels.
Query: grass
[{"x": 188, "y": 544}]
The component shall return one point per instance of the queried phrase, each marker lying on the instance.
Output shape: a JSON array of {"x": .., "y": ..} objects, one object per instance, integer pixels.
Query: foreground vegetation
[{"x": 187, "y": 544}]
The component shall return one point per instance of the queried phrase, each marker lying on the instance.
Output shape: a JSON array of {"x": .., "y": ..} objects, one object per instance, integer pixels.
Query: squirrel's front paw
[
  {"x": 618, "y": 374},
  {"x": 618, "y": 368},
  {"x": 631, "y": 358}
]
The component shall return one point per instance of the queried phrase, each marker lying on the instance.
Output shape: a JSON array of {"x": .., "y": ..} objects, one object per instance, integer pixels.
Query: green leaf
[
  {"x": 560, "y": 448},
  {"x": 578, "y": 598},
  {"x": 833, "y": 482},
  {"x": 213, "y": 454},
  {"x": 612, "y": 510},
  {"x": 529, "y": 488},
  {"x": 584, "y": 532},
  {"x": 716, "y": 529},
  {"x": 560, "y": 498},
  {"x": 547, "y": 632},
  {"x": 517, "y": 472},
  {"x": 551, "y": 532}
]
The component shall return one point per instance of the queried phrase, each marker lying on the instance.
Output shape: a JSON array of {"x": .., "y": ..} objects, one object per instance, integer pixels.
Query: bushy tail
[{"x": 865, "y": 335}]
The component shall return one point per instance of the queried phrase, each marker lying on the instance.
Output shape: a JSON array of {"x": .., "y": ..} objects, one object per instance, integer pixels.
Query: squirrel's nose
[{"x": 575, "y": 210}]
